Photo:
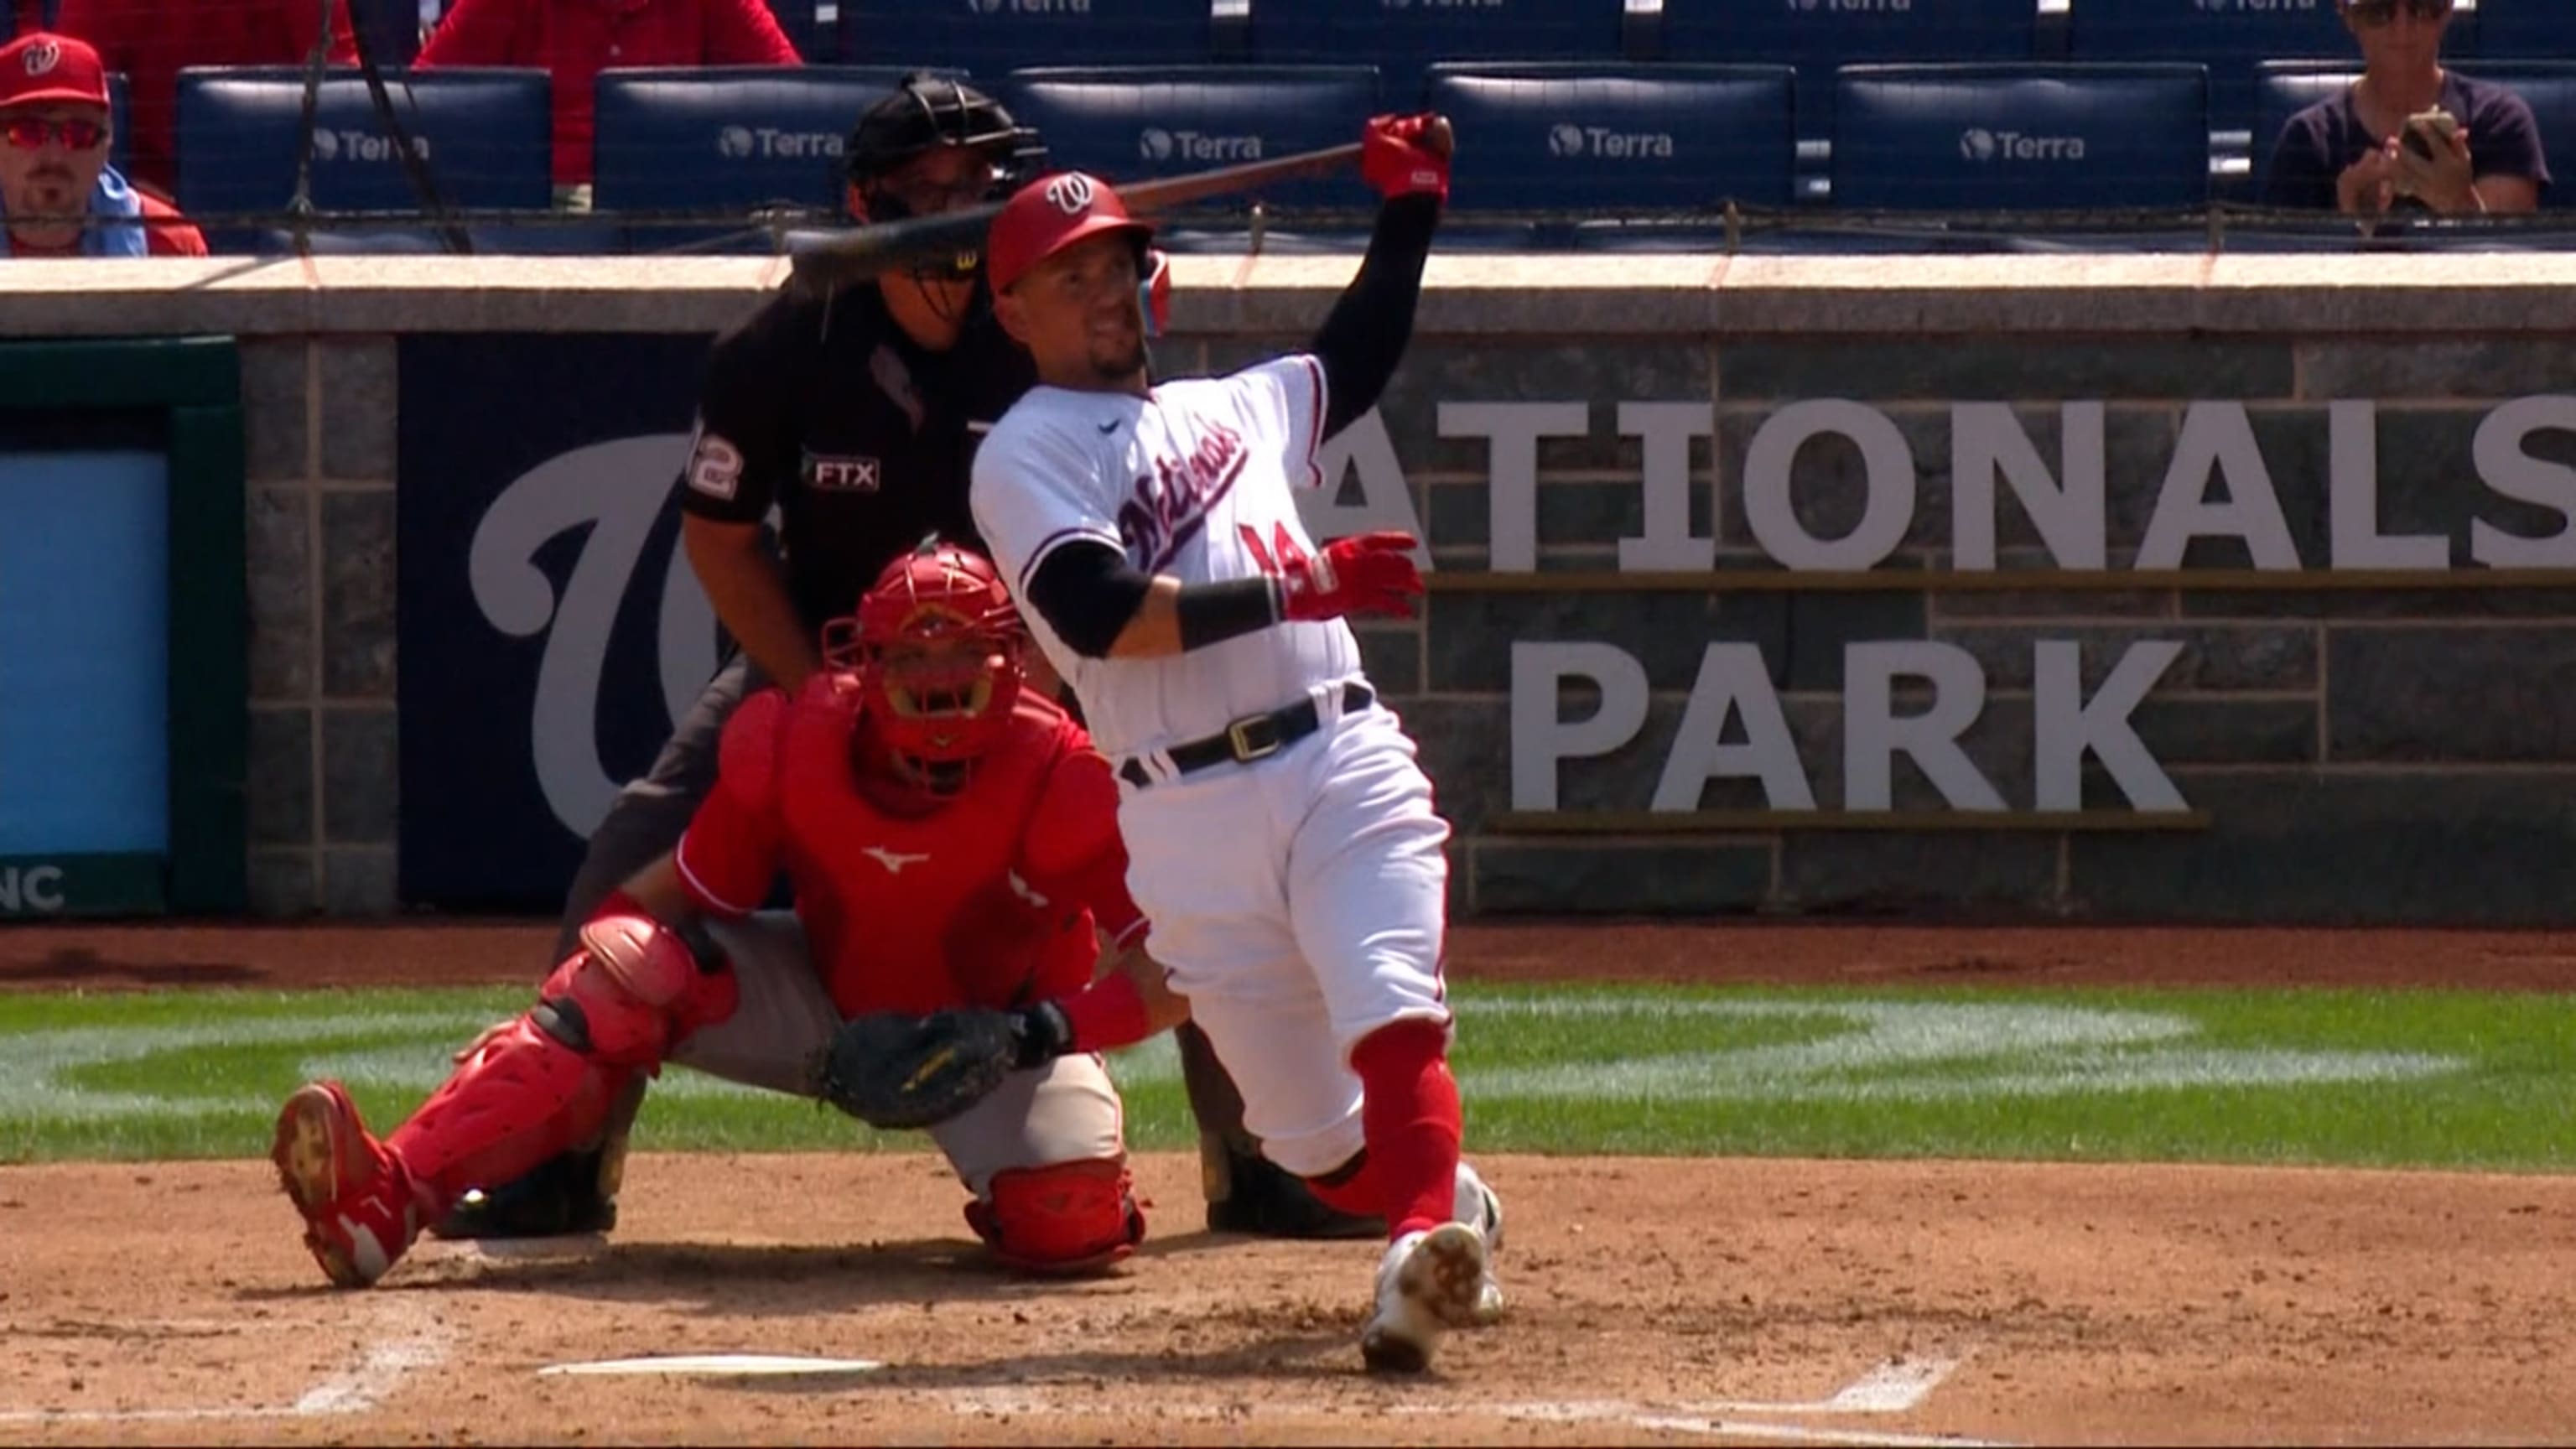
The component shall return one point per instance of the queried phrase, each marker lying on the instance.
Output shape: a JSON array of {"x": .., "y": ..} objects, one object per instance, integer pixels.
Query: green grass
[{"x": 2398, "y": 1079}]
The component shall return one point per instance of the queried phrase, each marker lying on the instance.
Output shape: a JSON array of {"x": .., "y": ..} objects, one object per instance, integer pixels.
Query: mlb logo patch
[{"x": 842, "y": 475}]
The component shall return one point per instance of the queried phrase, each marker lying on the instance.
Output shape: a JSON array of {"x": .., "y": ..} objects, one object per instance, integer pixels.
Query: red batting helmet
[
  {"x": 936, "y": 644},
  {"x": 1050, "y": 214}
]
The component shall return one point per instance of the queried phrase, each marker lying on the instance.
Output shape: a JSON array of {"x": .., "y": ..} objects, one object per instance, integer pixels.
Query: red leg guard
[
  {"x": 632, "y": 990},
  {"x": 1410, "y": 1118},
  {"x": 1069, "y": 1217},
  {"x": 520, "y": 1098}
]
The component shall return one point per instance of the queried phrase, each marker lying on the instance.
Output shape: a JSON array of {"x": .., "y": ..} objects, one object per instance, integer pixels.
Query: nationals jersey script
[{"x": 1194, "y": 481}]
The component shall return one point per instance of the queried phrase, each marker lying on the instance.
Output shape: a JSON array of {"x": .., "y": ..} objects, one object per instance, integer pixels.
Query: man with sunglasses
[
  {"x": 2357, "y": 152},
  {"x": 62, "y": 198},
  {"x": 853, "y": 414}
]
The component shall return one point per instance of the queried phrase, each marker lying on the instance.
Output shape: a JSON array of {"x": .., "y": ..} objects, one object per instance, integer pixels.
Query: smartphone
[{"x": 2423, "y": 125}]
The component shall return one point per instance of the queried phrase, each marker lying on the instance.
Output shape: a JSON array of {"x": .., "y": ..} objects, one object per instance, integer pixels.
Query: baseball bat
[{"x": 825, "y": 257}]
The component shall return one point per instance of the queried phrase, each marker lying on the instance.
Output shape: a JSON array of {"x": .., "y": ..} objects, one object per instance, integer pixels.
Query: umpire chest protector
[
  {"x": 862, "y": 439},
  {"x": 920, "y": 913}
]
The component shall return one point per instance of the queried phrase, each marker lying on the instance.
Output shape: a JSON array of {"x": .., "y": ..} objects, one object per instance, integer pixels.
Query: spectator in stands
[
  {"x": 150, "y": 41},
  {"x": 2349, "y": 152},
  {"x": 577, "y": 39},
  {"x": 61, "y": 197}
]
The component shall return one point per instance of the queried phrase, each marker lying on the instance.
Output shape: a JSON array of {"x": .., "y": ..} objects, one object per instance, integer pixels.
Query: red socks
[{"x": 1409, "y": 1117}]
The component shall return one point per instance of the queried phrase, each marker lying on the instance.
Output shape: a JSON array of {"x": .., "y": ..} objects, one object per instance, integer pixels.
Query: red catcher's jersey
[{"x": 990, "y": 900}]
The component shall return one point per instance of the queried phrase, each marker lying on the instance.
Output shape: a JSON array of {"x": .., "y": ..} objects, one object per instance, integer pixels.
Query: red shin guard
[
  {"x": 519, "y": 1098},
  {"x": 1410, "y": 1118}
]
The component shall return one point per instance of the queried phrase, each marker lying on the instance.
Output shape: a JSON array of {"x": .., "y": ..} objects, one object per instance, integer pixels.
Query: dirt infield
[
  {"x": 1654, "y": 1301},
  {"x": 454, "y": 953}
]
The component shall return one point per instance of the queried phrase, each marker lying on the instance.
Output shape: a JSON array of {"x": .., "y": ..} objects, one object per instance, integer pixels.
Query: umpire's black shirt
[{"x": 825, "y": 407}]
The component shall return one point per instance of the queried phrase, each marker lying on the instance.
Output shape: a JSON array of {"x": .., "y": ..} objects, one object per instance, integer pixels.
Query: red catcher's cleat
[{"x": 359, "y": 1218}]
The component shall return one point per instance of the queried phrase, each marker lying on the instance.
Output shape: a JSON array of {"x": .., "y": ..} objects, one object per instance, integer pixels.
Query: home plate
[{"x": 725, "y": 1365}]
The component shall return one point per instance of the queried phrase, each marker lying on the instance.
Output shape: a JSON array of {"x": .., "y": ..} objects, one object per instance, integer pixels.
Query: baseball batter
[
  {"x": 953, "y": 843},
  {"x": 1281, "y": 836}
]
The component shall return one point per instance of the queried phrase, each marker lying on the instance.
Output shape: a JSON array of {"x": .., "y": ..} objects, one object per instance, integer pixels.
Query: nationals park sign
[{"x": 550, "y": 630}]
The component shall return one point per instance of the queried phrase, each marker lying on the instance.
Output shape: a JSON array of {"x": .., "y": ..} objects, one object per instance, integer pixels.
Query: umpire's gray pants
[
  {"x": 653, "y": 811},
  {"x": 1066, "y": 1111}
]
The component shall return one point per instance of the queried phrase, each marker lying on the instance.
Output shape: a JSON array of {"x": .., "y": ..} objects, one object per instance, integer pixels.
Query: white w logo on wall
[{"x": 594, "y": 487}]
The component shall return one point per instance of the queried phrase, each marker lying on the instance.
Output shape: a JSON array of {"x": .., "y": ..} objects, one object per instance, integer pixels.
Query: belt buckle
[{"x": 1239, "y": 738}]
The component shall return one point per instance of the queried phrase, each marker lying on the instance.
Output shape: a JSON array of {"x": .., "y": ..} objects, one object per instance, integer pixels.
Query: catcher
[{"x": 953, "y": 843}]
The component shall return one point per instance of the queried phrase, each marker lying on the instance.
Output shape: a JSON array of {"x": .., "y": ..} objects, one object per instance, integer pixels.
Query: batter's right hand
[{"x": 1368, "y": 573}]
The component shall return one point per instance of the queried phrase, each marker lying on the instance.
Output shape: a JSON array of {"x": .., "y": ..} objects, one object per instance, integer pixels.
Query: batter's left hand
[
  {"x": 1368, "y": 573},
  {"x": 1407, "y": 155}
]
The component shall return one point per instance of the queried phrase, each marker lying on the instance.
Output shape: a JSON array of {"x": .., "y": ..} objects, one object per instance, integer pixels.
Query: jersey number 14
[{"x": 1274, "y": 557}]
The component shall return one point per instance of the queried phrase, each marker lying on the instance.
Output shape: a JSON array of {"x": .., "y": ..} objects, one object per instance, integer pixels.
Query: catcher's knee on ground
[{"x": 1067, "y": 1217}]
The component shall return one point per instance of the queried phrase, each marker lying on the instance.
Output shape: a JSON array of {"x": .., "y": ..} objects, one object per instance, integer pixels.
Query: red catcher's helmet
[
  {"x": 1050, "y": 214},
  {"x": 936, "y": 644}
]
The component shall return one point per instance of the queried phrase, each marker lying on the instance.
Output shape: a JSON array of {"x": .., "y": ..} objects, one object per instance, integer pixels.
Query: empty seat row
[{"x": 1610, "y": 139}]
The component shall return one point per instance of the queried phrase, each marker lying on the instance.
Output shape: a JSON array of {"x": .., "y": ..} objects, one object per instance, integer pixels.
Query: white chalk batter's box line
[{"x": 407, "y": 1339}]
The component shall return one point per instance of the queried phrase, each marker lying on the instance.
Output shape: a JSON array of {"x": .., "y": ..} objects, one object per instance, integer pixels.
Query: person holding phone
[{"x": 2409, "y": 135}]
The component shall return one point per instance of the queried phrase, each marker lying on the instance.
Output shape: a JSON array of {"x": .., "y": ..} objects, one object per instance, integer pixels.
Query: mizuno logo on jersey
[
  {"x": 1171, "y": 505},
  {"x": 893, "y": 860}
]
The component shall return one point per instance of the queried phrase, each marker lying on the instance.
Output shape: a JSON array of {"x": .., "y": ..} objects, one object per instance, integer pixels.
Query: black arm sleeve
[
  {"x": 1362, "y": 341},
  {"x": 1089, "y": 592}
]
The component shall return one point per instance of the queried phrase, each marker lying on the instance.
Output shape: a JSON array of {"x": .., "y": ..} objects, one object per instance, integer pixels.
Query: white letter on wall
[
  {"x": 1872, "y": 734},
  {"x": 1770, "y": 465},
  {"x": 1986, "y": 439},
  {"x": 1667, "y": 429},
  {"x": 2352, "y": 500},
  {"x": 1540, "y": 739},
  {"x": 2066, "y": 726},
  {"x": 2506, "y": 468},
  {"x": 1732, "y": 678},
  {"x": 1513, "y": 430},
  {"x": 2217, "y": 439},
  {"x": 1385, "y": 500}
]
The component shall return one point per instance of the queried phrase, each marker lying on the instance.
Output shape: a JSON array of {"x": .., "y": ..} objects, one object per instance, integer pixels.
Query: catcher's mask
[
  {"x": 936, "y": 645},
  {"x": 923, "y": 114}
]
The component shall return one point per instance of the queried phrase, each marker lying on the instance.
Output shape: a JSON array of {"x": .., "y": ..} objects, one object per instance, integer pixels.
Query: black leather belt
[{"x": 1253, "y": 737}]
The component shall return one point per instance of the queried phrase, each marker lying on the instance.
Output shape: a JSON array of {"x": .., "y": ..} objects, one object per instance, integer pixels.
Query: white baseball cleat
[
  {"x": 1479, "y": 1208},
  {"x": 1430, "y": 1281}
]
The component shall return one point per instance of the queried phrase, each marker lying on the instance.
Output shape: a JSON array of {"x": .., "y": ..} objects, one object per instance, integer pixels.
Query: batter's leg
[
  {"x": 576, "y": 1191},
  {"x": 1046, "y": 1158}
]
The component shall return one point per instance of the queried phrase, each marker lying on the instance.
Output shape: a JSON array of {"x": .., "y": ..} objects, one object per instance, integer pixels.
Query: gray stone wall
[
  {"x": 2389, "y": 755},
  {"x": 323, "y": 779}
]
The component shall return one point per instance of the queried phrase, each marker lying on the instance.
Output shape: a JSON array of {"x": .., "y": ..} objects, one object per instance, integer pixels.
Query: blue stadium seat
[
  {"x": 1819, "y": 37},
  {"x": 2230, "y": 37},
  {"x": 2283, "y": 88},
  {"x": 2020, "y": 137},
  {"x": 486, "y": 134},
  {"x": 725, "y": 138},
  {"x": 1627, "y": 139},
  {"x": 1404, "y": 38},
  {"x": 1126, "y": 124},
  {"x": 2512, "y": 30},
  {"x": 988, "y": 37}
]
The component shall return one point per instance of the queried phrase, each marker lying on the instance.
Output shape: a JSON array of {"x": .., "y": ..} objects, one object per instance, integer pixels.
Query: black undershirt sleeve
[
  {"x": 1365, "y": 335},
  {"x": 1088, "y": 593}
]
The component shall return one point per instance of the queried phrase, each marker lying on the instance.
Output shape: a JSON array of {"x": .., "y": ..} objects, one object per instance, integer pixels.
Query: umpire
[{"x": 854, "y": 414}]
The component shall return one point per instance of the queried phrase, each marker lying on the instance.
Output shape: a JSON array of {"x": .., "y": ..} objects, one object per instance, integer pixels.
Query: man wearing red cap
[
  {"x": 1280, "y": 835},
  {"x": 62, "y": 197}
]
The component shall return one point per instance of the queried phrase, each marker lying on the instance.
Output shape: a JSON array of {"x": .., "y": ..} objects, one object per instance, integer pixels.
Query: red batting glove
[
  {"x": 1369, "y": 573},
  {"x": 1399, "y": 158}
]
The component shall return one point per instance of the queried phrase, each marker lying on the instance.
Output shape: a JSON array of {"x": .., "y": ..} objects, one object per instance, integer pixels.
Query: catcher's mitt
[{"x": 899, "y": 1072}]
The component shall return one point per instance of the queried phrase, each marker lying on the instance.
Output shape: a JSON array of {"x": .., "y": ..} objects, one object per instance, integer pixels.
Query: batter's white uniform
[{"x": 1300, "y": 900}]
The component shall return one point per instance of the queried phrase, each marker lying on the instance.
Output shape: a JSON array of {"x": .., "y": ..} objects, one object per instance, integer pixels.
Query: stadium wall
[{"x": 2308, "y": 661}]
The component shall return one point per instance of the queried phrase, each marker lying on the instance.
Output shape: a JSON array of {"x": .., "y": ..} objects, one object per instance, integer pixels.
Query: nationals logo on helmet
[{"x": 1071, "y": 193}]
